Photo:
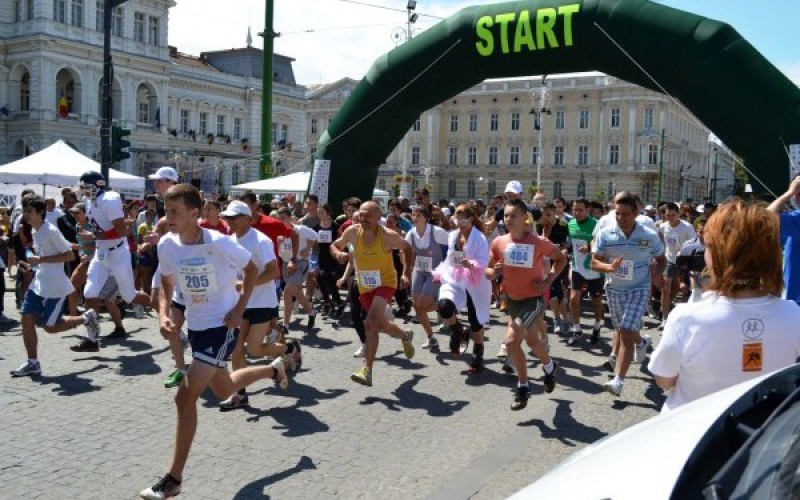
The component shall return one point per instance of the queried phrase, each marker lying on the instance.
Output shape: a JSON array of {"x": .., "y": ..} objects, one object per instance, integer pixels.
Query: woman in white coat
[{"x": 463, "y": 284}]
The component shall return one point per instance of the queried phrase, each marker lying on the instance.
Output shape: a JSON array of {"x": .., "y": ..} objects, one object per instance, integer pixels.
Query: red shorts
[{"x": 366, "y": 298}]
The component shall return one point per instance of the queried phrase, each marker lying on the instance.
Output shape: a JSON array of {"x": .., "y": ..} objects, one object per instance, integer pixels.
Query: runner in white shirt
[
  {"x": 675, "y": 232},
  {"x": 47, "y": 294},
  {"x": 294, "y": 280},
  {"x": 262, "y": 308},
  {"x": 205, "y": 265},
  {"x": 112, "y": 256}
]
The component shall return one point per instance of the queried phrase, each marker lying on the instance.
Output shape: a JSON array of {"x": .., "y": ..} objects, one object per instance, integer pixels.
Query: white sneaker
[
  {"x": 503, "y": 352},
  {"x": 640, "y": 352},
  {"x": 138, "y": 311},
  {"x": 557, "y": 327},
  {"x": 613, "y": 386},
  {"x": 280, "y": 368},
  {"x": 430, "y": 343},
  {"x": 360, "y": 352}
]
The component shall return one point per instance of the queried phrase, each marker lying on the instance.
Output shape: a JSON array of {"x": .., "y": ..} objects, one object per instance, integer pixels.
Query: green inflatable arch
[{"x": 706, "y": 64}]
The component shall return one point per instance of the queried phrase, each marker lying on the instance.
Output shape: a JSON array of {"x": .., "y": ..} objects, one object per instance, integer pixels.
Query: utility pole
[
  {"x": 108, "y": 74},
  {"x": 661, "y": 163},
  {"x": 269, "y": 35}
]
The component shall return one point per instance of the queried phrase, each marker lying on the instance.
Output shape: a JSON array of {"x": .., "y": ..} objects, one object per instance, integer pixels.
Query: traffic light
[{"x": 119, "y": 145}]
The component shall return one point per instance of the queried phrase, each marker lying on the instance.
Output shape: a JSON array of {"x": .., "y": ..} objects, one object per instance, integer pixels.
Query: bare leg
[{"x": 29, "y": 337}]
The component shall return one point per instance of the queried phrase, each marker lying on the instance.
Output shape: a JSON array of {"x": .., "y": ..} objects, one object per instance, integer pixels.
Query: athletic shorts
[
  {"x": 48, "y": 312},
  {"x": 213, "y": 346},
  {"x": 259, "y": 315},
  {"x": 671, "y": 271},
  {"x": 366, "y": 297},
  {"x": 627, "y": 308},
  {"x": 298, "y": 277},
  {"x": 109, "y": 290},
  {"x": 528, "y": 310},
  {"x": 108, "y": 262},
  {"x": 557, "y": 290},
  {"x": 581, "y": 284},
  {"x": 178, "y": 306},
  {"x": 424, "y": 284},
  {"x": 145, "y": 260}
]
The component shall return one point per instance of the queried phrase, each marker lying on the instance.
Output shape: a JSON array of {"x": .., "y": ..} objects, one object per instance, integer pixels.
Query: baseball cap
[
  {"x": 78, "y": 207},
  {"x": 165, "y": 173},
  {"x": 650, "y": 208},
  {"x": 235, "y": 208},
  {"x": 514, "y": 187}
]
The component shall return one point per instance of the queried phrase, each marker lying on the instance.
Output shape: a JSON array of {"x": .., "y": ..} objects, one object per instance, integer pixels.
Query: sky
[{"x": 333, "y": 39}]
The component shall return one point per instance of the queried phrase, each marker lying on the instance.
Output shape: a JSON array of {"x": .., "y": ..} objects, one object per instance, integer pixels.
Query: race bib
[
  {"x": 198, "y": 279},
  {"x": 100, "y": 254},
  {"x": 672, "y": 242},
  {"x": 455, "y": 257},
  {"x": 519, "y": 255},
  {"x": 286, "y": 249},
  {"x": 324, "y": 236},
  {"x": 369, "y": 279},
  {"x": 625, "y": 271},
  {"x": 423, "y": 264}
]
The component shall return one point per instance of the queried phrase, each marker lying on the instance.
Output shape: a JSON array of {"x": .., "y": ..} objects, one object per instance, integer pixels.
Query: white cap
[
  {"x": 235, "y": 208},
  {"x": 446, "y": 212},
  {"x": 165, "y": 173},
  {"x": 649, "y": 208},
  {"x": 514, "y": 187}
]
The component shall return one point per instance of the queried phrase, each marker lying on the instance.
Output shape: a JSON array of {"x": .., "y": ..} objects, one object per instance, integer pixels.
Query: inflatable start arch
[{"x": 706, "y": 64}]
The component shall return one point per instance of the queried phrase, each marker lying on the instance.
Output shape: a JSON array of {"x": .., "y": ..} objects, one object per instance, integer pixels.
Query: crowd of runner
[{"x": 225, "y": 277}]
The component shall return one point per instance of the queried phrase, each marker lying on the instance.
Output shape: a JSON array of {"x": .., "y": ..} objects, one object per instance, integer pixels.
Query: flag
[
  {"x": 63, "y": 107},
  {"x": 158, "y": 119}
]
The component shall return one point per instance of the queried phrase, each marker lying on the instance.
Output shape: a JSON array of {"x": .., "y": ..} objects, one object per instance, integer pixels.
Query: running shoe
[
  {"x": 503, "y": 352},
  {"x": 4, "y": 318},
  {"x": 166, "y": 487},
  {"x": 521, "y": 395},
  {"x": 476, "y": 366},
  {"x": 280, "y": 372},
  {"x": 598, "y": 325},
  {"x": 235, "y": 401},
  {"x": 138, "y": 311},
  {"x": 360, "y": 352},
  {"x": 557, "y": 327},
  {"x": 464, "y": 344},
  {"x": 613, "y": 386},
  {"x": 174, "y": 379},
  {"x": 362, "y": 376},
  {"x": 550, "y": 379},
  {"x": 118, "y": 333},
  {"x": 508, "y": 366},
  {"x": 85, "y": 345},
  {"x": 640, "y": 352},
  {"x": 312, "y": 318},
  {"x": 27, "y": 369},
  {"x": 408, "y": 344},
  {"x": 431, "y": 343},
  {"x": 296, "y": 358},
  {"x": 574, "y": 338}
]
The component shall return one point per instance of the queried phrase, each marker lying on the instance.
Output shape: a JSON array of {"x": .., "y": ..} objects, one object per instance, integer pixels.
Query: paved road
[{"x": 100, "y": 425}]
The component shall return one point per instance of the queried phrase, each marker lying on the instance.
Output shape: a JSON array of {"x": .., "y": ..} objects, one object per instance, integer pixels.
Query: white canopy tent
[
  {"x": 291, "y": 183},
  {"x": 60, "y": 165}
]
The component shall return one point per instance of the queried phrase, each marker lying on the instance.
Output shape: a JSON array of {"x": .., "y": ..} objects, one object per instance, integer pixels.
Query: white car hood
[{"x": 643, "y": 461}]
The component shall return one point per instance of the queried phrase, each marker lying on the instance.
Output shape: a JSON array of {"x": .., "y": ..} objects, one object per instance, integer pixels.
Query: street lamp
[
  {"x": 407, "y": 33},
  {"x": 540, "y": 107}
]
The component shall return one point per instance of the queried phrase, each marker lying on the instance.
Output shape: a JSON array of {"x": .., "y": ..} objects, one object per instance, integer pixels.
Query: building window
[
  {"x": 25, "y": 92},
  {"x": 557, "y": 189},
  {"x": 491, "y": 188},
  {"x": 473, "y": 122},
  {"x": 513, "y": 155},
  {"x": 23, "y": 10},
  {"x": 237, "y": 129},
  {"x": 184, "y": 121},
  {"x": 414, "y": 185},
  {"x": 451, "y": 189},
  {"x": 116, "y": 22},
  {"x": 583, "y": 155},
  {"x": 285, "y": 133},
  {"x": 581, "y": 192},
  {"x": 275, "y": 137},
  {"x": 583, "y": 119},
  {"x": 143, "y": 105},
  {"x": 612, "y": 189},
  {"x": 648, "y": 118},
  {"x": 615, "y": 117},
  {"x": 492, "y": 155},
  {"x": 535, "y": 155},
  {"x": 453, "y": 123},
  {"x": 313, "y": 153},
  {"x": 415, "y": 155},
  {"x": 558, "y": 155},
  {"x": 60, "y": 11},
  {"x": 472, "y": 156},
  {"x": 152, "y": 31},
  {"x": 76, "y": 14},
  {"x": 652, "y": 154},
  {"x": 138, "y": 27},
  {"x": 559, "y": 120},
  {"x": 613, "y": 154},
  {"x": 313, "y": 125},
  {"x": 452, "y": 156},
  {"x": 646, "y": 190},
  {"x": 99, "y": 15},
  {"x": 416, "y": 127},
  {"x": 471, "y": 189},
  {"x": 514, "y": 121},
  {"x": 220, "y": 125},
  {"x": 203, "y": 128},
  {"x": 494, "y": 120}
]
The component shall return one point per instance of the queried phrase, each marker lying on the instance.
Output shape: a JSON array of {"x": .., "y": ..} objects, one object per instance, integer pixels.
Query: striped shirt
[{"x": 636, "y": 251}]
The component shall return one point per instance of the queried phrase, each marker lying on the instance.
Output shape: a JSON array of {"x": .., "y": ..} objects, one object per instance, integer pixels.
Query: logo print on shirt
[{"x": 753, "y": 328}]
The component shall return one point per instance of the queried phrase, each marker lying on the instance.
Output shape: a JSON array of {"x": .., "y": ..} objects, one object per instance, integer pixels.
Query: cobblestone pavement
[{"x": 100, "y": 425}]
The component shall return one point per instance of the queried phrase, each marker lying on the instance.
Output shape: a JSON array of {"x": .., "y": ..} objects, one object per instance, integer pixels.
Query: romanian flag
[{"x": 63, "y": 107}]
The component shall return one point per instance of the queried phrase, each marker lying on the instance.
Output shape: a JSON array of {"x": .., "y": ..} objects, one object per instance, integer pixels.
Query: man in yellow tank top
[{"x": 372, "y": 246}]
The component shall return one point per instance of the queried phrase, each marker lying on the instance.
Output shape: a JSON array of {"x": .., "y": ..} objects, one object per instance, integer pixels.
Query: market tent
[
  {"x": 291, "y": 183},
  {"x": 60, "y": 165}
]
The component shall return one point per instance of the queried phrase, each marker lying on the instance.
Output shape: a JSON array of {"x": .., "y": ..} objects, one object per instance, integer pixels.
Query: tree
[{"x": 599, "y": 195}]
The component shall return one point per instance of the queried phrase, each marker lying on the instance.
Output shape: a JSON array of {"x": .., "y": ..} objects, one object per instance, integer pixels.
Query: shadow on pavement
[
  {"x": 71, "y": 384},
  {"x": 399, "y": 360},
  {"x": 133, "y": 365},
  {"x": 293, "y": 421},
  {"x": 565, "y": 428},
  {"x": 411, "y": 399},
  {"x": 255, "y": 490},
  {"x": 312, "y": 339}
]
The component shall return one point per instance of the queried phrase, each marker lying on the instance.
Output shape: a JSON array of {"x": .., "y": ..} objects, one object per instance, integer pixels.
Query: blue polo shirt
[
  {"x": 637, "y": 251},
  {"x": 790, "y": 241}
]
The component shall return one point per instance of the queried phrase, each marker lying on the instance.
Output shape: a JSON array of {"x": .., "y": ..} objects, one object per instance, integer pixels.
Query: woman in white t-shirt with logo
[{"x": 741, "y": 329}]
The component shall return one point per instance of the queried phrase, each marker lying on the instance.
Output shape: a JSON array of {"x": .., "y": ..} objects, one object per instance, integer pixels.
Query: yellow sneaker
[
  {"x": 408, "y": 344},
  {"x": 362, "y": 376}
]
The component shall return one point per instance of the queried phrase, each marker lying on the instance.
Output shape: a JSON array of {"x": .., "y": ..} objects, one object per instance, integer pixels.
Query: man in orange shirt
[{"x": 525, "y": 255}]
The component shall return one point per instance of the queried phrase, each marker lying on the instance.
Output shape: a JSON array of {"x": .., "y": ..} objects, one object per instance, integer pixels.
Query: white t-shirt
[
  {"x": 205, "y": 274},
  {"x": 719, "y": 342},
  {"x": 50, "y": 281},
  {"x": 52, "y": 217},
  {"x": 262, "y": 252},
  {"x": 675, "y": 237},
  {"x": 106, "y": 208},
  {"x": 305, "y": 235},
  {"x": 440, "y": 236},
  {"x": 611, "y": 218}
]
